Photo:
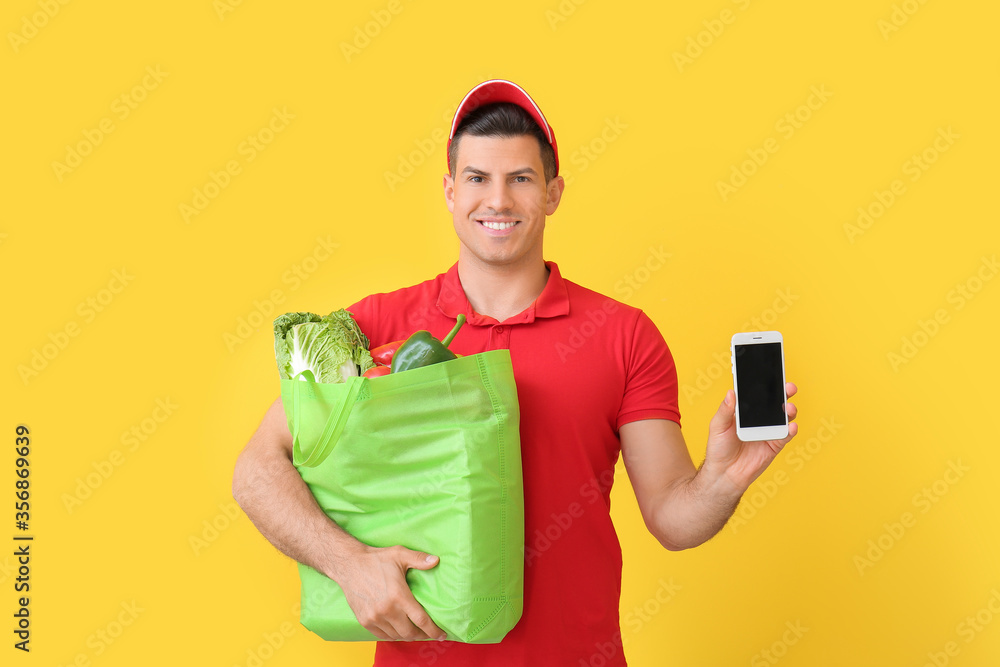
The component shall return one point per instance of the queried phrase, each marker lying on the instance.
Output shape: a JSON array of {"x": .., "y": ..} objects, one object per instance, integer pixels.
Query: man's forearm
[
  {"x": 281, "y": 506},
  {"x": 695, "y": 509}
]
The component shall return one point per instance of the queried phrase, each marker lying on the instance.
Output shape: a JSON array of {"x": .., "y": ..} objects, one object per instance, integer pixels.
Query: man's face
[{"x": 499, "y": 199}]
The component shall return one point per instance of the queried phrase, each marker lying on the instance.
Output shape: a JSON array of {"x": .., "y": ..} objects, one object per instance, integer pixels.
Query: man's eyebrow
[{"x": 516, "y": 172}]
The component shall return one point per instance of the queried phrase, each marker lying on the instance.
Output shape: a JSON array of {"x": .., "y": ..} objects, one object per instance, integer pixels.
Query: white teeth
[{"x": 497, "y": 226}]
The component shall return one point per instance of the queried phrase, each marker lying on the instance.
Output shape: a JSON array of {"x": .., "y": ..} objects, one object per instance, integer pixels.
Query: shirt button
[{"x": 499, "y": 330}]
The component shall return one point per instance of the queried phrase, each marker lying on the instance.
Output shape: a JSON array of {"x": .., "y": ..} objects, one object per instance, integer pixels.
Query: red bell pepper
[
  {"x": 376, "y": 371},
  {"x": 383, "y": 353}
]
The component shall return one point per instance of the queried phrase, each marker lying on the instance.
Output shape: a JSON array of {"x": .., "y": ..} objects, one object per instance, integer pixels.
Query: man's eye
[
  {"x": 476, "y": 179},
  {"x": 522, "y": 179}
]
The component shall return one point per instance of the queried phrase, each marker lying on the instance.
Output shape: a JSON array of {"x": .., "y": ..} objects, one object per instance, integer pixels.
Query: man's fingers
[
  {"x": 404, "y": 618},
  {"x": 417, "y": 617},
  {"x": 791, "y": 410},
  {"x": 397, "y": 621},
  {"x": 422, "y": 620},
  {"x": 411, "y": 622},
  {"x": 383, "y": 602},
  {"x": 403, "y": 629}
]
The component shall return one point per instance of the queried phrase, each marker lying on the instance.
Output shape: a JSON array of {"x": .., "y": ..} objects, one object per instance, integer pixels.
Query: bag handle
[{"x": 334, "y": 424}]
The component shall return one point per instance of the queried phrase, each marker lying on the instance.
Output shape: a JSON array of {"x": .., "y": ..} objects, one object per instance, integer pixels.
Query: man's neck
[{"x": 501, "y": 292}]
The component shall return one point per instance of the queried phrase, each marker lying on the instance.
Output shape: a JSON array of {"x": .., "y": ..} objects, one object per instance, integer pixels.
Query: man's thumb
[
  {"x": 423, "y": 561},
  {"x": 726, "y": 414}
]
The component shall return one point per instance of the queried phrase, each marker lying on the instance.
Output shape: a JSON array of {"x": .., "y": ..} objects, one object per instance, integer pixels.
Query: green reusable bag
[{"x": 429, "y": 458}]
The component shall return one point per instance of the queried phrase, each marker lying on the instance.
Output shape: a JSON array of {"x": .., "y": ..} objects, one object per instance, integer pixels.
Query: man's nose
[{"x": 499, "y": 197}]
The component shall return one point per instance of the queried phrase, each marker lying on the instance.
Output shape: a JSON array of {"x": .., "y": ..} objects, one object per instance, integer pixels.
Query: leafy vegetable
[{"x": 330, "y": 348}]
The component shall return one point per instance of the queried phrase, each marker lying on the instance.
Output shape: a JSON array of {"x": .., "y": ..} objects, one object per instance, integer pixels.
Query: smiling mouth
[{"x": 497, "y": 225}]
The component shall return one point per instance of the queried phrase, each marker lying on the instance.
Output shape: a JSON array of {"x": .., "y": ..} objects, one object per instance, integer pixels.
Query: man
[{"x": 594, "y": 378}]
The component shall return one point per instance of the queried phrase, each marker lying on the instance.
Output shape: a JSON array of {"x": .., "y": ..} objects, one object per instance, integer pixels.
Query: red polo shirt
[{"x": 584, "y": 365}]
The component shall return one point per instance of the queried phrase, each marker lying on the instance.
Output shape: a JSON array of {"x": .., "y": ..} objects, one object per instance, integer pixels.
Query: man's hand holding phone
[{"x": 754, "y": 422}]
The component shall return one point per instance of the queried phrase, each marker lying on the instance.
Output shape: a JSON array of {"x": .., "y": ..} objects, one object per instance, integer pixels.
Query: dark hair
[{"x": 503, "y": 119}]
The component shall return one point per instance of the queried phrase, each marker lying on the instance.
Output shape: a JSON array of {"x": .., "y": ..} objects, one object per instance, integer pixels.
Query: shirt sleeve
[
  {"x": 651, "y": 377},
  {"x": 365, "y": 313}
]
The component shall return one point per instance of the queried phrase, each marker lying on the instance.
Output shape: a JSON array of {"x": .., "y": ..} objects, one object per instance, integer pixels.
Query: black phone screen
[{"x": 760, "y": 387}]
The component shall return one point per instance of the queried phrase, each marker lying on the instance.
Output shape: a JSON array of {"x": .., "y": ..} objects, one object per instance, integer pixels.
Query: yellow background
[{"x": 207, "y": 595}]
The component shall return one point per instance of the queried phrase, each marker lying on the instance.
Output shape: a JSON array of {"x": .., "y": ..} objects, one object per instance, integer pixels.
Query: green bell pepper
[{"x": 422, "y": 349}]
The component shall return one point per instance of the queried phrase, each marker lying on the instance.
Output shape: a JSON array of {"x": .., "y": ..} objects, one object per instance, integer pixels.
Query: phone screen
[{"x": 759, "y": 385}]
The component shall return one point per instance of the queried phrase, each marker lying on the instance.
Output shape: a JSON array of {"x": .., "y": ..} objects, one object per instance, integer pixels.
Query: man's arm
[
  {"x": 684, "y": 507},
  {"x": 272, "y": 493}
]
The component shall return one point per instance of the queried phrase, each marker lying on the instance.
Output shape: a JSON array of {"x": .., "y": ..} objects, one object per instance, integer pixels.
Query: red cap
[{"x": 501, "y": 90}]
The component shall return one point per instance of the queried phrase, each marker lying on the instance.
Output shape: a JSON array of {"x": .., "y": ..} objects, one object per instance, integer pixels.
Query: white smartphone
[{"x": 758, "y": 360}]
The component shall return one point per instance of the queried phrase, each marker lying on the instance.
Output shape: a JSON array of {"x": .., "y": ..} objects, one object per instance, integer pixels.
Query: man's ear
[
  {"x": 449, "y": 192},
  {"x": 553, "y": 192}
]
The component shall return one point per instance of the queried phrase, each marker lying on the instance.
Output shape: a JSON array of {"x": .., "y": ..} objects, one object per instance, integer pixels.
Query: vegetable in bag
[{"x": 330, "y": 348}]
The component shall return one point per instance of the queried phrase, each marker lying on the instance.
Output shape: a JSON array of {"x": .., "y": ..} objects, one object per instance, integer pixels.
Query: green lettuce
[{"x": 330, "y": 348}]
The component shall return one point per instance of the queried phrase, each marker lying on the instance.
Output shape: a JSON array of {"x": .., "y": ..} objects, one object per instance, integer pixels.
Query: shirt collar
[{"x": 552, "y": 302}]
